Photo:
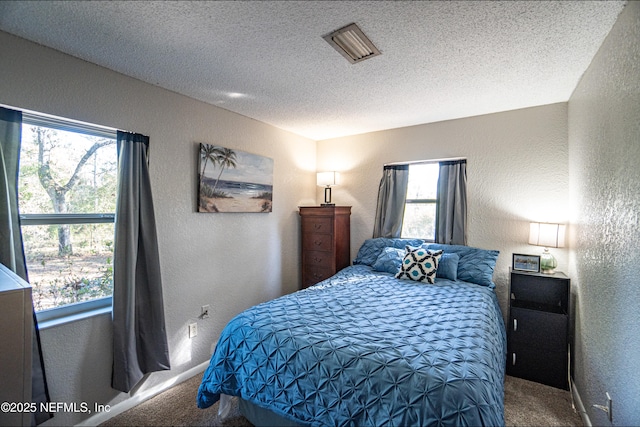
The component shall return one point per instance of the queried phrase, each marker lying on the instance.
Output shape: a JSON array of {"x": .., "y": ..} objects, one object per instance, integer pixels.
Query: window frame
[{"x": 75, "y": 311}]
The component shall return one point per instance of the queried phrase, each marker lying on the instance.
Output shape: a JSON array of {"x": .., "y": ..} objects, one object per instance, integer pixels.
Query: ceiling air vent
[{"x": 351, "y": 42}]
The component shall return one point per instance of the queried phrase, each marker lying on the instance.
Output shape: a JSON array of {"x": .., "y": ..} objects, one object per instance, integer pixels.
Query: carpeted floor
[{"x": 526, "y": 404}]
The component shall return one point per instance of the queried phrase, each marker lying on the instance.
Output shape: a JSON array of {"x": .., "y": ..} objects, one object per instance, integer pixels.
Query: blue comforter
[{"x": 363, "y": 348}]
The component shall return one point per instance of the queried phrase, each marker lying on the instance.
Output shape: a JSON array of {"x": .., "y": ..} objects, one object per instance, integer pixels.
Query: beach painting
[{"x": 233, "y": 181}]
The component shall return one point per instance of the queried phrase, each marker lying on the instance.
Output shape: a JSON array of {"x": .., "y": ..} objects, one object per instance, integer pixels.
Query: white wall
[
  {"x": 604, "y": 153},
  {"x": 230, "y": 261},
  {"x": 517, "y": 171}
]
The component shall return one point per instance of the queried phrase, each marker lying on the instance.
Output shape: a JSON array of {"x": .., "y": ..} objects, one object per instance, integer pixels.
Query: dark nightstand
[{"x": 538, "y": 329}]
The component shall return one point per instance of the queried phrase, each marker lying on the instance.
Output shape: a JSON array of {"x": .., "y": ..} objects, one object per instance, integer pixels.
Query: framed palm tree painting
[{"x": 233, "y": 180}]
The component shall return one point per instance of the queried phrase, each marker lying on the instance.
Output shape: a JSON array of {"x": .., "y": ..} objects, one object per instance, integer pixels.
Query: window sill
[{"x": 73, "y": 312}]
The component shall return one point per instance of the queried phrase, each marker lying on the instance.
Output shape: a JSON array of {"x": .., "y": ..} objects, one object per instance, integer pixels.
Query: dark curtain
[
  {"x": 392, "y": 195},
  {"x": 11, "y": 248},
  {"x": 139, "y": 335},
  {"x": 451, "y": 211}
]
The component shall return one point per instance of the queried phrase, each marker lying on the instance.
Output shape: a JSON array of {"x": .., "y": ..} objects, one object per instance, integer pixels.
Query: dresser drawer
[
  {"x": 312, "y": 275},
  {"x": 539, "y": 329},
  {"x": 317, "y": 225},
  {"x": 318, "y": 259},
  {"x": 318, "y": 242}
]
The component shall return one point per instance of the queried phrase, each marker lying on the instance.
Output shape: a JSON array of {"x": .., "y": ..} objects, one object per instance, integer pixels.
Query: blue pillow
[
  {"x": 371, "y": 248},
  {"x": 390, "y": 260},
  {"x": 448, "y": 266},
  {"x": 475, "y": 265}
]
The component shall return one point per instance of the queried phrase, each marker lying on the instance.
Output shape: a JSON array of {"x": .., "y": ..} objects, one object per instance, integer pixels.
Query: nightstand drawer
[
  {"x": 315, "y": 225},
  {"x": 318, "y": 242},
  {"x": 546, "y": 367},
  {"x": 318, "y": 259},
  {"x": 539, "y": 329}
]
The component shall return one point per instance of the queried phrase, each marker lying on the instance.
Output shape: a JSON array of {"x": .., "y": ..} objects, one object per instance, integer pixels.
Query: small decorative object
[
  {"x": 523, "y": 262},
  {"x": 549, "y": 236},
  {"x": 234, "y": 181},
  {"x": 327, "y": 179}
]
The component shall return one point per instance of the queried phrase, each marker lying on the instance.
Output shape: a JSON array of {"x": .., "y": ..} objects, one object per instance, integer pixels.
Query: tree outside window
[
  {"x": 422, "y": 196},
  {"x": 67, "y": 197}
]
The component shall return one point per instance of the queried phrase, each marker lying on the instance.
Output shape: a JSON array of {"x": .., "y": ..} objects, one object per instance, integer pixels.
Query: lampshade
[
  {"x": 327, "y": 179},
  {"x": 549, "y": 236}
]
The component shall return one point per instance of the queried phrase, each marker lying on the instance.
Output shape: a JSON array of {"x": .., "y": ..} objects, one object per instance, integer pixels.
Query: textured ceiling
[{"x": 268, "y": 61}]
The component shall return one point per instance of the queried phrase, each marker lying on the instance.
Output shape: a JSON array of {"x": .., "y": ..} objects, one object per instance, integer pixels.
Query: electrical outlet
[
  {"x": 204, "y": 314},
  {"x": 193, "y": 330}
]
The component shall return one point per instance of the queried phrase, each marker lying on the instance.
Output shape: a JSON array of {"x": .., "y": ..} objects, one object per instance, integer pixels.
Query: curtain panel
[
  {"x": 11, "y": 250},
  {"x": 11, "y": 246},
  {"x": 139, "y": 334},
  {"x": 451, "y": 210},
  {"x": 392, "y": 195}
]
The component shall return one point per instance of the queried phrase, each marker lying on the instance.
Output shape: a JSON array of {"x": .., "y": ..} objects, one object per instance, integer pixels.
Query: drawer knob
[
  {"x": 318, "y": 242},
  {"x": 317, "y": 226},
  {"x": 515, "y": 325},
  {"x": 317, "y": 259}
]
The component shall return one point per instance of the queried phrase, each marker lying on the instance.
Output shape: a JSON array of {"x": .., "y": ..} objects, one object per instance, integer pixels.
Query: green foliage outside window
[{"x": 63, "y": 172}]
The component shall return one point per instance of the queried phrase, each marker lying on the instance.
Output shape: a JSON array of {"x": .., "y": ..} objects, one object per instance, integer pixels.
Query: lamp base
[
  {"x": 327, "y": 204},
  {"x": 548, "y": 262},
  {"x": 327, "y": 197}
]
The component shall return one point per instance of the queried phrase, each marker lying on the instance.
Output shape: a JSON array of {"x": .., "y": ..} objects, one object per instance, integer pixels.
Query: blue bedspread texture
[{"x": 363, "y": 348}]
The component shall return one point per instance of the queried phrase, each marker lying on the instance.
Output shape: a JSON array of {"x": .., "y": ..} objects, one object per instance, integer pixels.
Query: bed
[{"x": 365, "y": 348}]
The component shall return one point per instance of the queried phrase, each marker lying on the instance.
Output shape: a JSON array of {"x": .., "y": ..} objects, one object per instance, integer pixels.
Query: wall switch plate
[
  {"x": 193, "y": 330},
  {"x": 204, "y": 313}
]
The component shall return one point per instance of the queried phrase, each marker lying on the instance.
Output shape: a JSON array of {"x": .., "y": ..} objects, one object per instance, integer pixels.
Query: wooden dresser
[{"x": 326, "y": 242}]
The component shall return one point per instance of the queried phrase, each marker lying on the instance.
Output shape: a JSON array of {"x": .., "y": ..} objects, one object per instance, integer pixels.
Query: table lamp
[{"x": 327, "y": 180}]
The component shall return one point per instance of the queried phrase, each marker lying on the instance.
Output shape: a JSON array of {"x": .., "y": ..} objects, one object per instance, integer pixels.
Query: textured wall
[
  {"x": 604, "y": 153},
  {"x": 230, "y": 261},
  {"x": 517, "y": 170}
]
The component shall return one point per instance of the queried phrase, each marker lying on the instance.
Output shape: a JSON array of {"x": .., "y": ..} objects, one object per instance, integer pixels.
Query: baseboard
[
  {"x": 127, "y": 404},
  {"x": 579, "y": 405}
]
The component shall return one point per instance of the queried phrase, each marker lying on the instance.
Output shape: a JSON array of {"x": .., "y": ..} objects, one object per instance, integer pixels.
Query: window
[
  {"x": 67, "y": 199},
  {"x": 422, "y": 195}
]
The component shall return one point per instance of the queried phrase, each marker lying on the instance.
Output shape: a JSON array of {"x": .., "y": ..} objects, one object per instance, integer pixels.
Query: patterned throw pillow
[{"x": 419, "y": 264}]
